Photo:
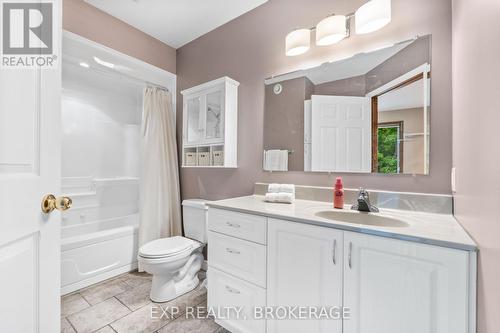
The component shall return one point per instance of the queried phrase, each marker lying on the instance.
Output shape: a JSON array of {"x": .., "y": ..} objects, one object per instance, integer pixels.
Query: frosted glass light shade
[
  {"x": 372, "y": 16},
  {"x": 331, "y": 30},
  {"x": 298, "y": 42}
]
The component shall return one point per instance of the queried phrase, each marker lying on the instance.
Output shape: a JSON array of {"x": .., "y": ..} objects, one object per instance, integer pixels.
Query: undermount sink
[{"x": 362, "y": 218}]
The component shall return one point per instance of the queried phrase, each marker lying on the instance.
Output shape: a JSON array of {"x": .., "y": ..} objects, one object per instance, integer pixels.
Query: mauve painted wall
[
  {"x": 251, "y": 48},
  {"x": 352, "y": 86},
  {"x": 476, "y": 150},
  {"x": 412, "y": 56},
  {"x": 284, "y": 120},
  {"x": 94, "y": 24},
  {"x": 409, "y": 58}
]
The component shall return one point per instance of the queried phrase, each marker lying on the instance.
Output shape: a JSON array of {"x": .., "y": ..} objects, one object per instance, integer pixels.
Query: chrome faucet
[{"x": 364, "y": 204}]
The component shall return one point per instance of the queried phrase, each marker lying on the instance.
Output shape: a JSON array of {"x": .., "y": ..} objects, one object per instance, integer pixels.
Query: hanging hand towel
[{"x": 276, "y": 160}]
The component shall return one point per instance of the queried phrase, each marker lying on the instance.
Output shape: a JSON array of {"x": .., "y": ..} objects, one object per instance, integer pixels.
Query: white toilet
[{"x": 174, "y": 262}]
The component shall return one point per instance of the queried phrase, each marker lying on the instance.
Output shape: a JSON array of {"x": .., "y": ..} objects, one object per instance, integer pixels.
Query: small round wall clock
[{"x": 278, "y": 88}]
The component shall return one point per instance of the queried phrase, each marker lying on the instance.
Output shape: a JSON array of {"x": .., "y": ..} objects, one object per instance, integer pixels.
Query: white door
[
  {"x": 307, "y": 134},
  {"x": 394, "y": 286},
  {"x": 29, "y": 168},
  {"x": 307, "y": 120},
  {"x": 304, "y": 268},
  {"x": 341, "y": 134}
]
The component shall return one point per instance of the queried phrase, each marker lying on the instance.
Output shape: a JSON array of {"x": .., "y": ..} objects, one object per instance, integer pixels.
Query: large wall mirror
[{"x": 367, "y": 113}]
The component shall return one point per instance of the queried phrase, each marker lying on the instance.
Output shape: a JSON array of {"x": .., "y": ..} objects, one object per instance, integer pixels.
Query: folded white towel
[
  {"x": 273, "y": 188},
  {"x": 285, "y": 188},
  {"x": 280, "y": 197}
]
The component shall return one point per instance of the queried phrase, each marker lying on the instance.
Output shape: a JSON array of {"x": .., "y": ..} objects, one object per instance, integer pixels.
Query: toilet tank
[{"x": 194, "y": 219}]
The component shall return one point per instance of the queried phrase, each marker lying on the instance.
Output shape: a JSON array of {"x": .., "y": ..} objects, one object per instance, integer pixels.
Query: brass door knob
[{"x": 50, "y": 202}]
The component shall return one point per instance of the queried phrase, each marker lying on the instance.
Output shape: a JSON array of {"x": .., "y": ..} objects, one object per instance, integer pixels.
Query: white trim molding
[{"x": 425, "y": 68}]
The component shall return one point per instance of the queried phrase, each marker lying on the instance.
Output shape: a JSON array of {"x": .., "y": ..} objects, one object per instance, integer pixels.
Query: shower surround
[{"x": 101, "y": 115}]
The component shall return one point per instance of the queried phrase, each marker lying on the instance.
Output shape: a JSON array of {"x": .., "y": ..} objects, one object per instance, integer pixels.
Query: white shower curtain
[{"x": 160, "y": 210}]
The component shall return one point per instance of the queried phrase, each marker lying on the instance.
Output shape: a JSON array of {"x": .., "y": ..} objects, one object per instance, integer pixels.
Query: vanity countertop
[{"x": 435, "y": 229}]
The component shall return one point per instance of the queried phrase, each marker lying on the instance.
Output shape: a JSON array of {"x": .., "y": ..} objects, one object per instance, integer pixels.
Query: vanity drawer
[
  {"x": 244, "y": 226},
  {"x": 241, "y": 258},
  {"x": 226, "y": 291}
]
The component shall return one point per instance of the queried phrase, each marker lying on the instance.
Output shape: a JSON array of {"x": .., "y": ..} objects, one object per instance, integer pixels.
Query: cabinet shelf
[{"x": 194, "y": 145}]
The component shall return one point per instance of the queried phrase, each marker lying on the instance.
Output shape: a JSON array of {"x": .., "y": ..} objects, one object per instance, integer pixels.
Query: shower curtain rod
[
  {"x": 152, "y": 85},
  {"x": 121, "y": 75},
  {"x": 147, "y": 83}
]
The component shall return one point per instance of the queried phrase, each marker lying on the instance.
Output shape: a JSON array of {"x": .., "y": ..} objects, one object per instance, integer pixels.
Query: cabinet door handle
[
  {"x": 350, "y": 255},
  {"x": 234, "y": 225},
  {"x": 232, "y": 251},
  {"x": 231, "y": 290},
  {"x": 334, "y": 252}
]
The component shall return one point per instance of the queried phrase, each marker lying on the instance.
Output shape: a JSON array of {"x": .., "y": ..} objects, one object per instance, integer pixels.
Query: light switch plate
[{"x": 453, "y": 180}]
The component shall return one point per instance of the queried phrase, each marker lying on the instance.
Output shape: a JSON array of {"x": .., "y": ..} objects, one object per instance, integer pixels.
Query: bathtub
[
  {"x": 97, "y": 251},
  {"x": 99, "y": 233}
]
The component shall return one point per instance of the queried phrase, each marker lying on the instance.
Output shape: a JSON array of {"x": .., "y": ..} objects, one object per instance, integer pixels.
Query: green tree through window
[{"x": 388, "y": 149}]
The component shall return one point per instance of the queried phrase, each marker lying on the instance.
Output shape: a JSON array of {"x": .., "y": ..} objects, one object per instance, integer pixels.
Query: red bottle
[{"x": 338, "y": 194}]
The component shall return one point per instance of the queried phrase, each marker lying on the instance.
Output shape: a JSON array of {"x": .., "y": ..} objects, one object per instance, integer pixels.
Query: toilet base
[{"x": 167, "y": 287}]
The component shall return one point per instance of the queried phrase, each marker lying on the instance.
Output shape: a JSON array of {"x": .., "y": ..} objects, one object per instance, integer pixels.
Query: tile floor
[{"x": 122, "y": 305}]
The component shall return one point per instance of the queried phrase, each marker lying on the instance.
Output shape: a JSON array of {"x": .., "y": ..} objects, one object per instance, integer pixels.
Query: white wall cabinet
[
  {"x": 210, "y": 122},
  {"x": 387, "y": 285},
  {"x": 304, "y": 269}
]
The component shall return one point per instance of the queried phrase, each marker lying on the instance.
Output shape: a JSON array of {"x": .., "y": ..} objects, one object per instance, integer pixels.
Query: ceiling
[
  {"x": 176, "y": 22},
  {"x": 408, "y": 97}
]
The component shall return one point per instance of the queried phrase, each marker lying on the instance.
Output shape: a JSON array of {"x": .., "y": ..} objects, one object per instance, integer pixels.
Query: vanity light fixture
[
  {"x": 370, "y": 17},
  {"x": 104, "y": 63},
  {"x": 297, "y": 42},
  {"x": 331, "y": 30}
]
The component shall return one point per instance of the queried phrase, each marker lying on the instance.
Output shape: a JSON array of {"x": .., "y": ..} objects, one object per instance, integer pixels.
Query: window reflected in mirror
[
  {"x": 401, "y": 112},
  {"x": 390, "y": 148}
]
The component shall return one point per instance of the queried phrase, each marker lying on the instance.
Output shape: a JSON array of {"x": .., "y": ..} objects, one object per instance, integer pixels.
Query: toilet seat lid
[{"x": 165, "y": 247}]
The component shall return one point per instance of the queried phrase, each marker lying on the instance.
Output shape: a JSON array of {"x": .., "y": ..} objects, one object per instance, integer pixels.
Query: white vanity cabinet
[
  {"x": 394, "y": 286},
  {"x": 387, "y": 285},
  {"x": 210, "y": 121},
  {"x": 237, "y": 268},
  {"x": 304, "y": 269}
]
